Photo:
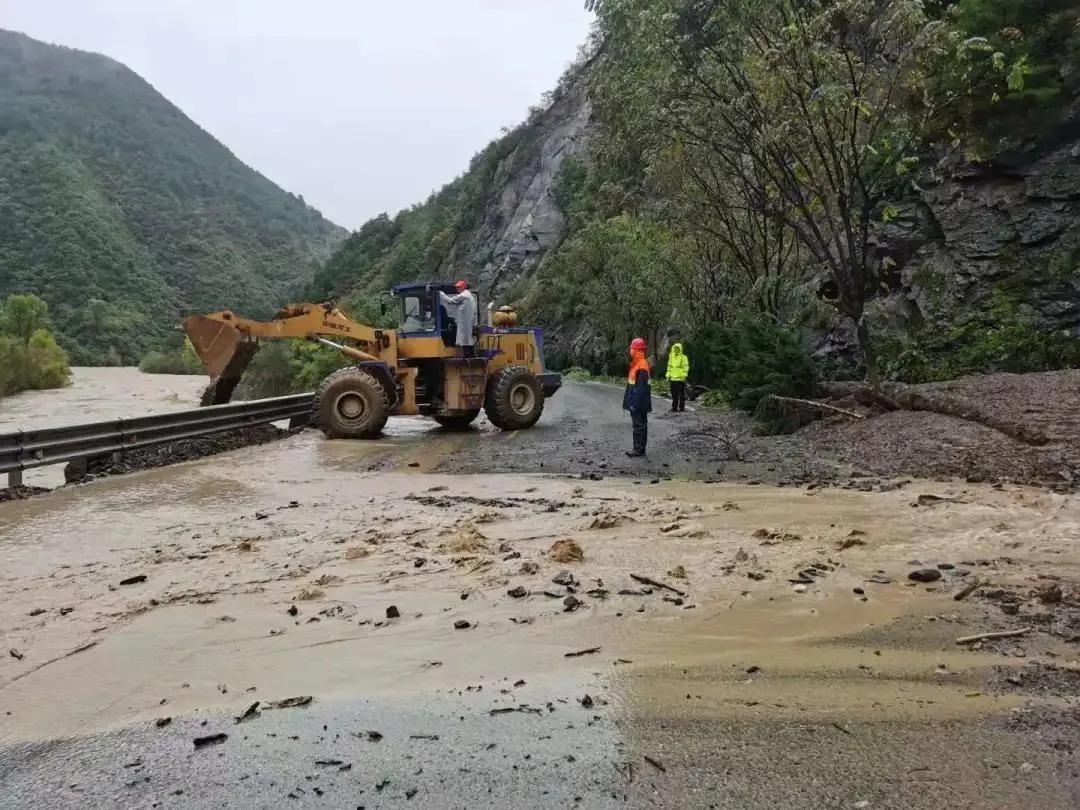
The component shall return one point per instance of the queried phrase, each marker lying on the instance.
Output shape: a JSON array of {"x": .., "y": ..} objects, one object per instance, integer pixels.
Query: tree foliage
[
  {"x": 181, "y": 360},
  {"x": 123, "y": 214},
  {"x": 30, "y": 358}
]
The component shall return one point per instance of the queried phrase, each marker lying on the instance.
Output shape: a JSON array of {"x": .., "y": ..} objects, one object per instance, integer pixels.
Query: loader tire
[
  {"x": 457, "y": 422},
  {"x": 351, "y": 404},
  {"x": 515, "y": 399}
]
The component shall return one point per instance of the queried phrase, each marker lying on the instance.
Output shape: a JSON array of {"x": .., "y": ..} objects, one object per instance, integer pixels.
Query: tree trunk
[{"x": 866, "y": 346}]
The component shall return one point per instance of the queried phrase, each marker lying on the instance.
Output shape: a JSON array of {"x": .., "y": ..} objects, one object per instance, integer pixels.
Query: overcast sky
[{"x": 362, "y": 106}]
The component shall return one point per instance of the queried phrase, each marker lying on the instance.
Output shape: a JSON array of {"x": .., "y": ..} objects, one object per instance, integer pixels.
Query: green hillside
[{"x": 123, "y": 214}]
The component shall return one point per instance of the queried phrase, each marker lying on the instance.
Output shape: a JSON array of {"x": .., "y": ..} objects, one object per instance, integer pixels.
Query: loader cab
[{"x": 421, "y": 314}]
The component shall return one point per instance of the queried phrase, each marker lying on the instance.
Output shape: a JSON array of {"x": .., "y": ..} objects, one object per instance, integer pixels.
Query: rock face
[
  {"x": 521, "y": 221},
  {"x": 1010, "y": 227}
]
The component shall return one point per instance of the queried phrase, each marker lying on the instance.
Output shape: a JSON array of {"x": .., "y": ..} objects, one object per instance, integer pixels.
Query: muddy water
[
  {"x": 96, "y": 395},
  {"x": 229, "y": 544}
]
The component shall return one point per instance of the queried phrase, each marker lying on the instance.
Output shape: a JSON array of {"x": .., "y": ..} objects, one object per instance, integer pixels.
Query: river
[{"x": 96, "y": 395}]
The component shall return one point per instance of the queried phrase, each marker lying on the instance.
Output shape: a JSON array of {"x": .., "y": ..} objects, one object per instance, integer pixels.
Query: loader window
[{"x": 417, "y": 315}]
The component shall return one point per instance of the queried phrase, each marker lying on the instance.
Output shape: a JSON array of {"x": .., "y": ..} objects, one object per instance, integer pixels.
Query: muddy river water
[{"x": 675, "y": 664}]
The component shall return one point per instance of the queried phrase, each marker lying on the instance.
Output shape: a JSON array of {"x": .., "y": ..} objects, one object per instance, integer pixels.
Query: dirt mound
[
  {"x": 468, "y": 540},
  {"x": 564, "y": 551}
]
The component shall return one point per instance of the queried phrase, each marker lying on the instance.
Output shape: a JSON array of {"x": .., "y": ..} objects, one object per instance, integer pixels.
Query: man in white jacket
[{"x": 463, "y": 309}]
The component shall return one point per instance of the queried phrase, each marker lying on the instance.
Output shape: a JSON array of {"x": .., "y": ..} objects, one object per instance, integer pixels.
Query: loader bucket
[{"x": 224, "y": 352}]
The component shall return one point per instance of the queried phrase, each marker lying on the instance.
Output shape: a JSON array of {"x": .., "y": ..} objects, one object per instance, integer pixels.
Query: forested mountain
[
  {"x": 896, "y": 183},
  {"x": 123, "y": 214}
]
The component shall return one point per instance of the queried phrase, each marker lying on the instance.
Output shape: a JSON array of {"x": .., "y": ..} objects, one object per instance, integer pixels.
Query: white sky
[{"x": 361, "y": 106}]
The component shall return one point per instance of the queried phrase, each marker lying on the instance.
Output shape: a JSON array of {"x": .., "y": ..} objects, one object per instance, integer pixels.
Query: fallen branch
[
  {"x": 813, "y": 404},
  {"x": 999, "y": 634},
  {"x": 967, "y": 590},
  {"x": 656, "y": 584},
  {"x": 43, "y": 664}
]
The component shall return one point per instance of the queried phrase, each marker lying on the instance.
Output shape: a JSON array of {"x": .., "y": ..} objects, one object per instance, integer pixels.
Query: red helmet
[
  {"x": 637, "y": 344},
  {"x": 461, "y": 285}
]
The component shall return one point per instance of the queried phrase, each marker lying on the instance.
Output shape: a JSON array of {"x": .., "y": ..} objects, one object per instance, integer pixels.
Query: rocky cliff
[
  {"x": 520, "y": 221},
  {"x": 1011, "y": 226}
]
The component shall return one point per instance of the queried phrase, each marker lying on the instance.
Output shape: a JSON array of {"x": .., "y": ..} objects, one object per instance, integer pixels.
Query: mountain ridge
[{"x": 124, "y": 214}]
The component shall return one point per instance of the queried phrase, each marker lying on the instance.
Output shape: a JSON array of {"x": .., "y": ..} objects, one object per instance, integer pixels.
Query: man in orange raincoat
[{"x": 638, "y": 397}]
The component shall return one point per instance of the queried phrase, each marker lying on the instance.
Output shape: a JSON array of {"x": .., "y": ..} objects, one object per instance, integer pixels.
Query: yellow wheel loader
[{"x": 415, "y": 369}]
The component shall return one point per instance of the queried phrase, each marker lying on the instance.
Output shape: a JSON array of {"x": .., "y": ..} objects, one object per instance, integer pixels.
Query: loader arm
[{"x": 226, "y": 342}]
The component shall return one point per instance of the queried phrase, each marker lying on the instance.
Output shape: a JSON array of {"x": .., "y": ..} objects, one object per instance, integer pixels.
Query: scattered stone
[
  {"x": 1010, "y": 608},
  {"x": 675, "y": 600},
  {"x": 18, "y": 656},
  {"x": 752, "y": 670},
  {"x": 564, "y": 578},
  {"x": 135, "y": 580},
  {"x": 309, "y": 594},
  {"x": 571, "y": 603},
  {"x": 36, "y": 612},
  {"x": 859, "y": 591},
  {"x": 462, "y": 624},
  {"x": 518, "y": 592},
  {"x": 250, "y": 714},
  {"x": 392, "y": 612},
  {"x": 757, "y": 576},
  {"x": 529, "y": 568},
  {"x": 946, "y": 566},
  {"x": 881, "y": 579},
  {"x": 799, "y": 588},
  {"x": 210, "y": 739},
  {"x": 925, "y": 575},
  {"x": 161, "y": 722},
  {"x": 1050, "y": 594},
  {"x": 586, "y": 702},
  {"x": 293, "y": 610},
  {"x": 564, "y": 551},
  {"x": 678, "y": 572},
  {"x": 374, "y": 736},
  {"x": 356, "y": 553},
  {"x": 64, "y": 611},
  {"x": 291, "y": 703}
]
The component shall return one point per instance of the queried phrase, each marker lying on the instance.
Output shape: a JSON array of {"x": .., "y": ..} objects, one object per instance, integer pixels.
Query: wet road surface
[{"x": 269, "y": 572}]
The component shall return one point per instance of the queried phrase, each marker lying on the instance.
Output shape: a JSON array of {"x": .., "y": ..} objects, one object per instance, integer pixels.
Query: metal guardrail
[{"x": 26, "y": 449}]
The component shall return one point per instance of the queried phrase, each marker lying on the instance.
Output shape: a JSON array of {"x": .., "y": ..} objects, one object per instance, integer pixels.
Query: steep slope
[
  {"x": 493, "y": 225},
  {"x": 123, "y": 214}
]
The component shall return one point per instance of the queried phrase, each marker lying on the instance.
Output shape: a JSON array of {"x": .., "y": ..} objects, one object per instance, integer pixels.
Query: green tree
[
  {"x": 23, "y": 316},
  {"x": 808, "y": 116}
]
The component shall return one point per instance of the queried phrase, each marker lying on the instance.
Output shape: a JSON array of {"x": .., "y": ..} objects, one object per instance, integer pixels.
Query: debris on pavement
[
  {"x": 644, "y": 580},
  {"x": 925, "y": 575},
  {"x": 564, "y": 551},
  {"x": 994, "y": 635},
  {"x": 579, "y": 653},
  {"x": 210, "y": 739}
]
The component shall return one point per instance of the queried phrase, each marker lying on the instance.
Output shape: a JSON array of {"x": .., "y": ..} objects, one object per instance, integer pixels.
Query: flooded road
[{"x": 710, "y": 680}]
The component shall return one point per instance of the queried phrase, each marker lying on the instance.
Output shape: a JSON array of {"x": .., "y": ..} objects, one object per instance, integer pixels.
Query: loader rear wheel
[
  {"x": 515, "y": 399},
  {"x": 351, "y": 404},
  {"x": 457, "y": 422}
]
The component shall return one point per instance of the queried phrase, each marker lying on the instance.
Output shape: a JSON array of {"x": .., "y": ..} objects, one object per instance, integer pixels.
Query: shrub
[
  {"x": 181, "y": 361},
  {"x": 750, "y": 360},
  {"x": 48, "y": 363}
]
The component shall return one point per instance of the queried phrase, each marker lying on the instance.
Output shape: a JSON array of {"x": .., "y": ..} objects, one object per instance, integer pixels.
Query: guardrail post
[{"x": 14, "y": 478}]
